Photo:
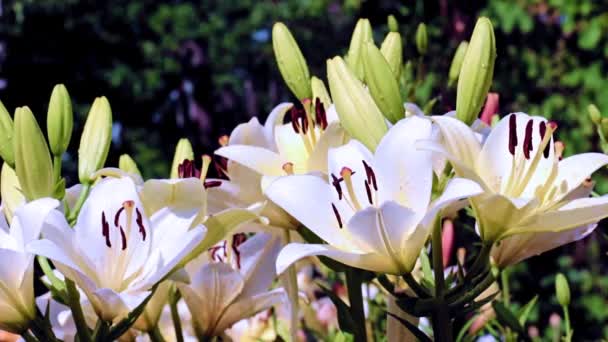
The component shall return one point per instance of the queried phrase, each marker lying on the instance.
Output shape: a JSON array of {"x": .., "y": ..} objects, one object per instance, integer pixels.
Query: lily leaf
[
  {"x": 345, "y": 320},
  {"x": 524, "y": 312},
  {"x": 412, "y": 328},
  {"x": 506, "y": 317}
]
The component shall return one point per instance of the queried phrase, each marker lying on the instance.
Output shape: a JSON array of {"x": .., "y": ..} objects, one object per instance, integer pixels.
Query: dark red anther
[
  {"x": 542, "y": 131},
  {"x": 337, "y": 215},
  {"x": 140, "y": 223},
  {"x": 512, "y": 133},
  {"x": 369, "y": 193},
  {"x": 123, "y": 238},
  {"x": 303, "y": 121},
  {"x": 105, "y": 229},
  {"x": 221, "y": 165},
  {"x": 320, "y": 115},
  {"x": 294, "y": 119},
  {"x": 527, "y": 146},
  {"x": 187, "y": 169},
  {"x": 237, "y": 240},
  {"x": 212, "y": 184},
  {"x": 371, "y": 175},
  {"x": 335, "y": 181},
  {"x": 117, "y": 216}
]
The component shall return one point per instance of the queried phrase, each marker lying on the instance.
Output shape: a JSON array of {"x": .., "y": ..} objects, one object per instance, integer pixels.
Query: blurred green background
[{"x": 197, "y": 68}]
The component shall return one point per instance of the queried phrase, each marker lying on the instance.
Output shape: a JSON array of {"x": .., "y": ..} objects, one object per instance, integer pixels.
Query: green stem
[
  {"x": 481, "y": 262},
  {"x": 155, "y": 335},
  {"x": 42, "y": 329},
  {"x": 568, "y": 337},
  {"x": 56, "y": 283},
  {"x": 504, "y": 279},
  {"x": 355, "y": 298},
  {"x": 290, "y": 282},
  {"x": 177, "y": 324},
  {"x": 28, "y": 337},
  {"x": 84, "y": 335},
  {"x": 442, "y": 327},
  {"x": 84, "y": 193},
  {"x": 418, "y": 289},
  {"x": 101, "y": 331},
  {"x": 57, "y": 168}
]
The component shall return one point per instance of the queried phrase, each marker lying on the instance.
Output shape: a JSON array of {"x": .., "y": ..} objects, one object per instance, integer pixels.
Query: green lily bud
[
  {"x": 457, "y": 62},
  {"x": 476, "y": 72},
  {"x": 320, "y": 92},
  {"x": 392, "y": 50},
  {"x": 604, "y": 126},
  {"x": 361, "y": 35},
  {"x": 594, "y": 114},
  {"x": 126, "y": 163},
  {"x": 422, "y": 39},
  {"x": 32, "y": 159},
  {"x": 356, "y": 108},
  {"x": 382, "y": 84},
  {"x": 95, "y": 140},
  {"x": 562, "y": 290},
  {"x": 12, "y": 197},
  {"x": 291, "y": 62},
  {"x": 60, "y": 119},
  {"x": 183, "y": 151},
  {"x": 6, "y": 137},
  {"x": 393, "y": 25}
]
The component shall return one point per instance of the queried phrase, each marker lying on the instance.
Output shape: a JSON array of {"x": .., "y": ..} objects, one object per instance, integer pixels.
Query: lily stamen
[{"x": 346, "y": 174}]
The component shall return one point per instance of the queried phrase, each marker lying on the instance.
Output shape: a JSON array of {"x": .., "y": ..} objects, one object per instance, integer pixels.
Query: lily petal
[
  {"x": 573, "y": 171},
  {"x": 261, "y": 160},
  {"x": 249, "y": 306},
  {"x": 460, "y": 141}
]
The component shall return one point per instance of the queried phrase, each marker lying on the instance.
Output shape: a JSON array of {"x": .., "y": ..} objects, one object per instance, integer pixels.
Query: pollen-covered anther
[
  {"x": 105, "y": 229},
  {"x": 512, "y": 133},
  {"x": 338, "y": 218},
  {"x": 288, "y": 168},
  {"x": 371, "y": 175},
  {"x": 527, "y": 145},
  {"x": 335, "y": 181},
  {"x": 559, "y": 147},
  {"x": 212, "y": 183},
  {"x": 320, "y": 115}
]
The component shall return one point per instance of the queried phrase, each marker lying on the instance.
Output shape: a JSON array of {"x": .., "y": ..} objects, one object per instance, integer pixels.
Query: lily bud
[
  {"x": 32, "y": 160},
  {"x": 183, "y": 151},
  {"x": 320, "y": 92},
  {"x": 95, "y": 140},
  {"x": 126, "y": 163},
  {"x": 361, "y": 35},
  {"x": 476, "y": 72},
  {"x": 291, "y": 62},
  {"x": 562, "y": 290},
  {"x": 60, "y": 119},
  {"x": 422, "y": 39},
  {"x": 393, "y": 25},
  {"x": 604, "y": 126},
  {"x": 594, "y": 114},
  {"x": 356, "y": 108},
  {"x": 10, "y": 191},
  {"x": 382, "y": 84},
  {"x": 6, "y": 137},
  {"x": 457, "y": 62},
  {"x": 392, "y": 50}
]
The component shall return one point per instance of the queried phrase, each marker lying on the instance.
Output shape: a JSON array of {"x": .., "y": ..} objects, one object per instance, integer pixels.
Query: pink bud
[
  {"x": 447, "y": 241},
  {"x": 490, "y": 108}
]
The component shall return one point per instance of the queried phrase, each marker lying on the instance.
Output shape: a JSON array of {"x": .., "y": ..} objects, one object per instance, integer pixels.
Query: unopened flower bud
[
  {"x": 320, "y": 92},
  {"x": 422, "y": 39},
  {"x": 361, "y": 35},
  {"x": 7, "y": 152},
  {"x": 356, "y": 108},
  {"x": 392, "y": 50},
  {"x": 393, "y": 25},
  {"x": 382, "y": 84},
  {"x": 126, "y": 163},
  {"x": 476, "y": 72},
  {"x": 95, "y": 140},
  {"x": 60, "y": 120},
  {"x": 457, "y": 62},
  {"x": 10, "y": 191},
  {"x": 32, "y": 160},
  {"x": 562, "y": 290},
  {"x": 594, "y": 114},
  {"x": 291, "y": 62},
  {"x": 183, "y": 151},
  {"x": 604, "y": 126}
]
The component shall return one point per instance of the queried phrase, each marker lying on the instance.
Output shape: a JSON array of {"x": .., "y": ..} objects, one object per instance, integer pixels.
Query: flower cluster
[{"x": 356, "y": 177}]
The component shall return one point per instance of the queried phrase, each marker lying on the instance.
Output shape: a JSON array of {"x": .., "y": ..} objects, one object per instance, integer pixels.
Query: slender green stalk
[
  {"x": 442, "y": 326},
  {"x": 355, "y": 297},
  {"x": 84, "y": 193},
  {"x": 56, "y": 168},
  {"x": 506, "y": 293},
  {"x": 42, "y": 329},
  {"x": 155, "y": 335},
  {"x": 481, "y": 262},
  {"x": 101, "y": 331},
  {"x": 56, "y": 283},
  {"x": 290, "y": 282},
  {"x": 568, "y": 336},
  {"x": 84, "y": 335},
  {"x": 177, "y": 324}
]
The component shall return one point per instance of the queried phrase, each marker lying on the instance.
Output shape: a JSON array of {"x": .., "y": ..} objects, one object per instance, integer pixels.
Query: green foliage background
[{"x": 197, "y": 68}]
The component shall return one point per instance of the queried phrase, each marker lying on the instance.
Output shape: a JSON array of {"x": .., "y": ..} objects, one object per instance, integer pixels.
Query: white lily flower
[
  {"x": 527, "y": 188},
  {"x": 116, "y": 252},
  {"x": 17, "y": 305},
  {"x": 376, "y": 212},
  {"x": 237, "y": 277}
]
